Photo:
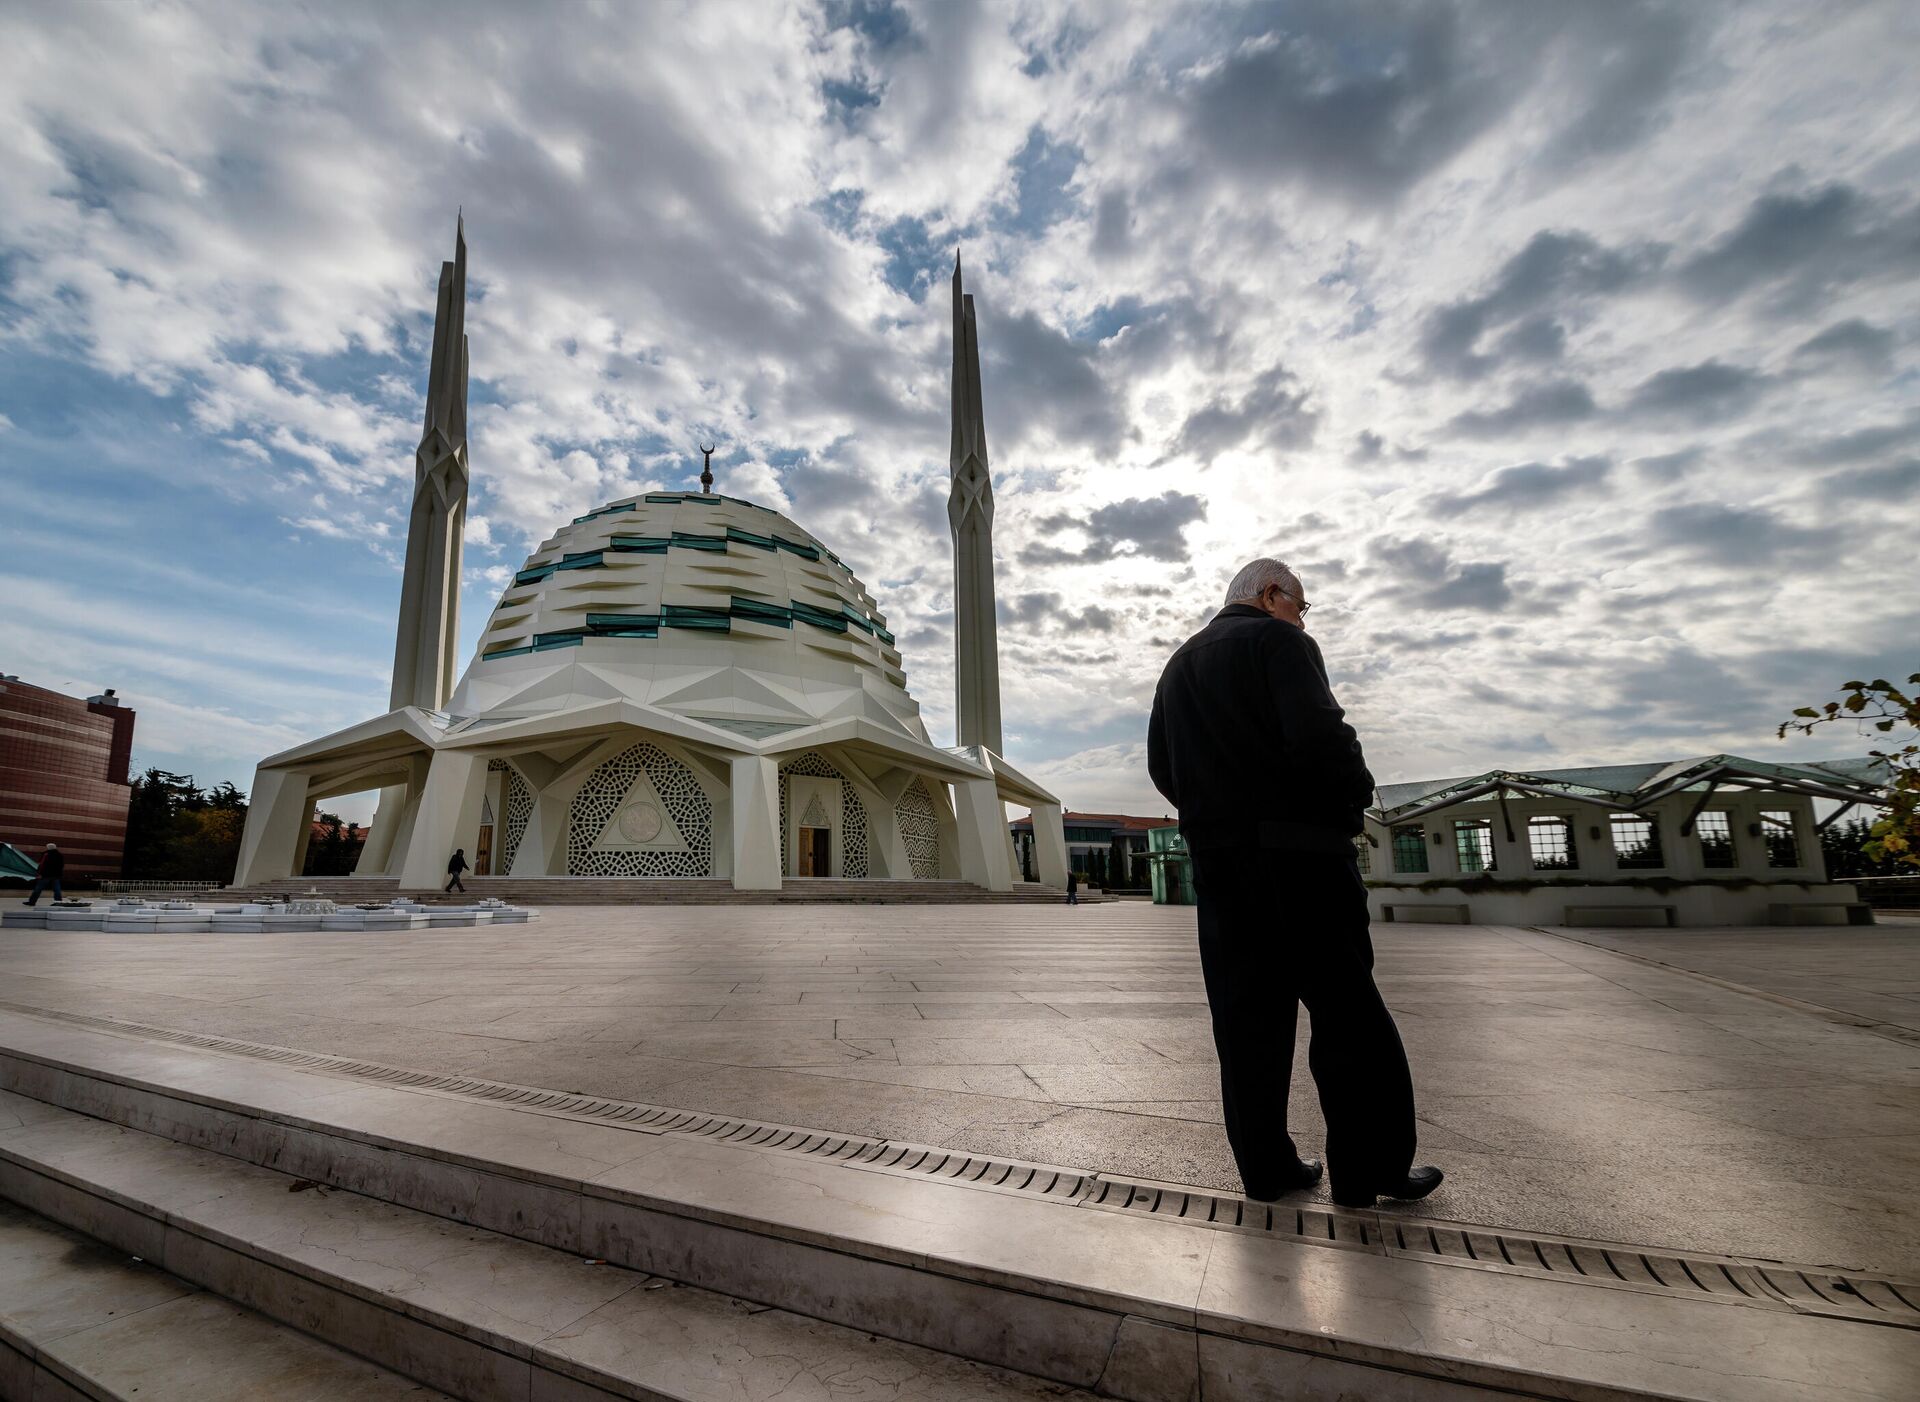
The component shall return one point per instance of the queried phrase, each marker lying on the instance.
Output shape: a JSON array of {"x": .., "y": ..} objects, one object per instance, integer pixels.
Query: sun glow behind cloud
[{"x": 1568, "y": 353}]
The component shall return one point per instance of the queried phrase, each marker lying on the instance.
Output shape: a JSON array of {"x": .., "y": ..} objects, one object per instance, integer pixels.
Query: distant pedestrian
[
  {"x": 456, "y": 864},
  {"x": 1073, "y": 887},
  {"x": 1248, "y": 743},
  {"x": 53, "y": 863}
]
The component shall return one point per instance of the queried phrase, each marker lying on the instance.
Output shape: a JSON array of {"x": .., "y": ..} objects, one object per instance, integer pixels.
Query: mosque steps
[
  {"x": 277, "y": 1279},
  {"x": 557, "y": 1248},
  {"x": 81, "y": 1319},
  {"x": 593, "y": 890}
]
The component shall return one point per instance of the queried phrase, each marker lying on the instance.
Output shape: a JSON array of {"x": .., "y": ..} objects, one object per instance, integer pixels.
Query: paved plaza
[{"x": 1566, "y": 1087}]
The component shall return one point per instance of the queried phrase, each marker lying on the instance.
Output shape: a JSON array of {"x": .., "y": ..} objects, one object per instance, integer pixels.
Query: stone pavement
[
  {"x": 1565, "y": 1089},
  {"x": 1866, "y": 974}
]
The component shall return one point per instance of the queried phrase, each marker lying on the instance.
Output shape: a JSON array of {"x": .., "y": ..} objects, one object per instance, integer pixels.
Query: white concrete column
[
  {"x": 543, "y": 846},
  {"x": 754, "y": 832},
  {"x": 417, "y": 766},
  {"x": 1049, "y": 845},
  {"x": 986, "y": 851},
  {"x": 377, "y": 854},
  {"x": 278, "y": 810},
  {"x": 455, "y": 781}
]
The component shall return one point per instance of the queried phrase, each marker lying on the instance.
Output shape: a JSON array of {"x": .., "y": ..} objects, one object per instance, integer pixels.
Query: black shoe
[
  {"x": 1304, "y": 1174},
  {"x": 1417, "y": 1184}
]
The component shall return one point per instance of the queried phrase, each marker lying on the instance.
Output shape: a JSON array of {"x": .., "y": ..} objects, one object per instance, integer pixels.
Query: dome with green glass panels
[{"x": 707, "y": 606}]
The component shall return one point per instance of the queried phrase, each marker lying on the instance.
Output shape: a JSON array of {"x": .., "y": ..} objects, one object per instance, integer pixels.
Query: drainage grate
[
  {"x": 1732, "y": 1280},
  {"x": 878, "y": 1155}
]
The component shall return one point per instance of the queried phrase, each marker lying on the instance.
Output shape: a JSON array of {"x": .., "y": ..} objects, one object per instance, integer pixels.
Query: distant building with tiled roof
[{"x": 1109, "y": 848}]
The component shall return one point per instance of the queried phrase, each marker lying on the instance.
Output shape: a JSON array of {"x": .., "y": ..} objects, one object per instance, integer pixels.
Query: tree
[
  {"x": 1842, "y": 843},
  {"x": 1895, "y": 838},
  {"x": 177, "y": 831}
]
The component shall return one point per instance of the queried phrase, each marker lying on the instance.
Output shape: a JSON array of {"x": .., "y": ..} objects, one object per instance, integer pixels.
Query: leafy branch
[{"x": 1881, "y": 706}]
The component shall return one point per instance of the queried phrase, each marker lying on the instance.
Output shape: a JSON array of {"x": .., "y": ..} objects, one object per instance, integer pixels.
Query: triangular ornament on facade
[
  {"x": 640, "y": 822},
  {"x": 816, "y": 814}
]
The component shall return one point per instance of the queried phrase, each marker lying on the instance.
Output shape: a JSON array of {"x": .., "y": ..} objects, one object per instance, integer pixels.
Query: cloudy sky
[{"x": 1569, "y": 351}]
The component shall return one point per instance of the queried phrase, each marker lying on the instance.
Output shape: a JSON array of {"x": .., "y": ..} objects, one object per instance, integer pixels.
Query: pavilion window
[
  {"x": 1783, "y": 846},
  {"x": 1715, "y": 830},
  {"x": 1550, "y": 844},
  {"x": 1410, "y": 849},
  {"x": 1473, "y": 844},
  {"x": 1636, "y": 843}
]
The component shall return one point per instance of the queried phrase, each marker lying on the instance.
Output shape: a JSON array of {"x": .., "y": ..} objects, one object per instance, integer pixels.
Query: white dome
[{"x": 705, "y": 606}]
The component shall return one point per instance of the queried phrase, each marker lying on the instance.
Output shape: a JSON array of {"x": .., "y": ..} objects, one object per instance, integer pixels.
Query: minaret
[
  {"x": 970, "y": 513},
  {"x": 423, "y": 660}
]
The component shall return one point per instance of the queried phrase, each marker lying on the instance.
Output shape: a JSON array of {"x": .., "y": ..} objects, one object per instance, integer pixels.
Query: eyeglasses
[{"x": 1303, "y": 604}]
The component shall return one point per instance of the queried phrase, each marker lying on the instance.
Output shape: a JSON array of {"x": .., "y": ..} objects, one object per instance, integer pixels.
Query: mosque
[{"x": 677, "y": 684}]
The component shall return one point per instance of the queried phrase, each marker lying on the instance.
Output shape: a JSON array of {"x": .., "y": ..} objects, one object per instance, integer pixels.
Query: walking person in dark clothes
[
  {"x": 53, "y": 865},
  {"x": 1073, "y": 887},
  {"x": 456, "y": 864},
  {"x": 1248, "y": 743}
]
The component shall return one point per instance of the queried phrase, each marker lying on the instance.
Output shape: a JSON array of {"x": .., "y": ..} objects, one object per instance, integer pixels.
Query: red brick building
[{"x": 63, "y": 775}]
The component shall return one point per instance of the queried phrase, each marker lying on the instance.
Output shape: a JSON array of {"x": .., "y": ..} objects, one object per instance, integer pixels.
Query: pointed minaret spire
[
  {"x": 970, "y": 514},
  {"x": 423, "y": 651}
]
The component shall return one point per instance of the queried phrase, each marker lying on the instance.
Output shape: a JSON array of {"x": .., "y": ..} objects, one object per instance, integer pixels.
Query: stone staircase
[
  {"x": 200, "y": 1218},
  {"x": 541, "y": 891}
]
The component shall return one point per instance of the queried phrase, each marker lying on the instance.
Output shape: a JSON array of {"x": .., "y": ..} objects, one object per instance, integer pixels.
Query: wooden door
[
  {"x": 483, "y": 851},
  {"x": 816, "y": 847}
]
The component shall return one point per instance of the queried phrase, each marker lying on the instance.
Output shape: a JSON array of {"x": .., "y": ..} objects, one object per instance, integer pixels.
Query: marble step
[
  {"x": 476, "y": 1314},
  {"x": 1139, "y": 1306},
  {"x": 79, "y": 1319}
]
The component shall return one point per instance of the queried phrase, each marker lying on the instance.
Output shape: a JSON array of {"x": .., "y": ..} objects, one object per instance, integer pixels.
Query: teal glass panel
[
  {"x": 546, "y": 642},
  {"x": 686, "y": 540},
  {"x": 760, "y": 611},
  {"x": 763, "y": 542},
  {"x": 697, "y": 618},
  {"x": 819, "y": 618},
  {"x": 794, "y": 547},
  {"x": 506, "y": 652},
  {"x": 638, "y": 544}
]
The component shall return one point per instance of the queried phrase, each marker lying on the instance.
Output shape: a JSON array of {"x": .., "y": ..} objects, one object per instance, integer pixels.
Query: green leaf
[
  {"x": 1805, "y": 711},
  {"x": 1883, "y": 725},
  {"x": 1856, "y": 702}
]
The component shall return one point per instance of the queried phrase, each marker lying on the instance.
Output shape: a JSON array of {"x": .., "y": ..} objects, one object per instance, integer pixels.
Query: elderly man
[{"x": 1249, "y": 745}]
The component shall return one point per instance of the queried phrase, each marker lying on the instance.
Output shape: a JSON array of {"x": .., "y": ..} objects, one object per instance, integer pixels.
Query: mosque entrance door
[
  {"x": 816, "y": 845},
  {"x": 483, "y": 851}
]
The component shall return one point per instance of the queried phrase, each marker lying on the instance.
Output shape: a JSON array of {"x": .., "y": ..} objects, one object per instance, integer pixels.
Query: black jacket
[
  {"x": 53, "y": 864},
  {"x": 456, "y": 864},
  {"x": 1248, "y": 743}
]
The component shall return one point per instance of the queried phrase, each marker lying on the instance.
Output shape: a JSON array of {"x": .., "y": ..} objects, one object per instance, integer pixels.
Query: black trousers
[{"x": 1278, "y": 929}]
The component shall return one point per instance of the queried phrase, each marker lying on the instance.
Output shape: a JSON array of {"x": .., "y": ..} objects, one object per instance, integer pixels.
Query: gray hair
[{"x": 1255, "y": 579}]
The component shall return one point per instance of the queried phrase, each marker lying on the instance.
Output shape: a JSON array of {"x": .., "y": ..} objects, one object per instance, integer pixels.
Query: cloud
[
  {"x": 1554, "y": 403},
  {"x": 1274, "y": 412},
  {"x": 1383, "y": 245},
  {"x": 1801, "y": 243},
  {"x": 1895, "y": 481},
  {"x": 1698, "y": 394},
  {"x": 1735, "y": 535},
  {"x": 1854, "y": 341},
  {"x": 1556, "y": 270},
  {"x": 1154, "y": 528},
  {"x": 1530, "y": 485},
  {"x": 1422, "y": 574}
]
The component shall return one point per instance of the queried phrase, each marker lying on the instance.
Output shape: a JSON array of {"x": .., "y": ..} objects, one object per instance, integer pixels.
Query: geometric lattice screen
[
  {"x": 919, "y": 830},
  {"x": 599, "y": 799},
  {"x": 519, "y": 806}
]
